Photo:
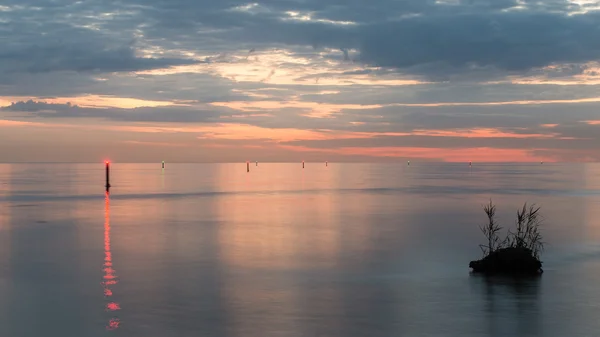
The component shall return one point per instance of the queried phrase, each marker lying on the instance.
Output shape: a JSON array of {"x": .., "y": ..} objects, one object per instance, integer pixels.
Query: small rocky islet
[
  {"x": 518, "y": 253},
  {"x": 508, "y": 261}
]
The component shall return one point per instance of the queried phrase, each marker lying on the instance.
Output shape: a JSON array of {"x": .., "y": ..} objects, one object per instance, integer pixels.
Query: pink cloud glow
[{"x": 228, "y": 140}]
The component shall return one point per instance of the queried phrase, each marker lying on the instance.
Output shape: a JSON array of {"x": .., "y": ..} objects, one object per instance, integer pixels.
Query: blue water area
[{"x": 338, "y": 250}]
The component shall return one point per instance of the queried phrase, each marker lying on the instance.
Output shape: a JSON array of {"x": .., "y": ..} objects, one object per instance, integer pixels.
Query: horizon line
[{"x": 300, "y": 162}]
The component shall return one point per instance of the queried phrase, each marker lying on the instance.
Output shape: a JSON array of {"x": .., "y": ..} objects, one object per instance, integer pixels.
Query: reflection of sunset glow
[
  {"x": 480, "y": 154},
  {"x": 455, "y": 155},
  {"x": 5, "y": 209},
  {"x": 271, "y": 240},
  {"x": 591, "y": 173},
  {"x": 237, "y": 294},
  {"x": 110, "y": 277}
]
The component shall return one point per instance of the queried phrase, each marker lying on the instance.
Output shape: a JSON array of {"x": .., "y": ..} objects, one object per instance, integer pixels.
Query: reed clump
[{"x": 519, "y": 251}]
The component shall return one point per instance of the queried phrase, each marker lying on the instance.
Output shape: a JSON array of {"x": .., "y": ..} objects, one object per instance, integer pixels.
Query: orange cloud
[
  {"x": 479, "y": 133},
  {"x": 589, "y": 75},
  {"x": 5, "y": 123},
  {"x": 593, "y": 122},
  {"x": 93, "y": 101},
  {"x": 143, "y": 128},
  {"x": 249, "y": 132},
  {"x": 317, "y": 110},
  {"x": 235, "y": 131},
  {"x": 325, "y": 110},
  {"x": 246, "y": 116},
  {"x": 135, "y": 142},
  {"x": 283, "y": 67},
  {"x": 499, "y": 103},
  {"x": 8, "y": 100},
  {"x": 244, "y": 131},
  {"x": 248, "y": 137},
  {"x": 100, "y": 101}
]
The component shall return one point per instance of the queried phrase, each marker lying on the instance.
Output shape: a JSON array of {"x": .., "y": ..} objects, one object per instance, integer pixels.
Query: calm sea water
[{"x": 345, "y": 250}]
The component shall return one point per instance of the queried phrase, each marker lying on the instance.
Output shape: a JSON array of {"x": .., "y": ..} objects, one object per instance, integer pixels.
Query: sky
[{"x": 293, "y": 80}]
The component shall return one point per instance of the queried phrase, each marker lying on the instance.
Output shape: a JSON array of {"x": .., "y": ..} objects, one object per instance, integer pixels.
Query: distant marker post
[
  {"x": 163, "y": 164},
  {"x": 303, "y": 164},
  {"x": 326, "y": 163},
  {"x": 247, "y": 166},
  {"x": 408, "y": 162}
]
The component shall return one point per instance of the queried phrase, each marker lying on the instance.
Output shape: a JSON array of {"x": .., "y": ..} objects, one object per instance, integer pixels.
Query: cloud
[
  {"x": 380, "y": 75},
  {"x": 32, "y": 106},
  {"x": 47, "y": 37},
  {"x": 420, "y": 37},
  {"x": 80, "y": 58},
  {"x": 459, "y": 40},
  {"x": 435, "y": 39},
  {"x": 171, "y": 114},
  {"x": 510, "y": 42}
]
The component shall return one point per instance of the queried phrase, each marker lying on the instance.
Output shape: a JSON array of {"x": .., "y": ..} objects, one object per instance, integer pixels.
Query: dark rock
[{"x": 510, "y": 260}]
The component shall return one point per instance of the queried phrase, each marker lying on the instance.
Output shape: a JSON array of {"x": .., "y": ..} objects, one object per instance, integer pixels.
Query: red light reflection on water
[
  {"x": 110, "y": 277},
  {"x": 113, "y": 324},
  {"x": 112, "y": 306}
]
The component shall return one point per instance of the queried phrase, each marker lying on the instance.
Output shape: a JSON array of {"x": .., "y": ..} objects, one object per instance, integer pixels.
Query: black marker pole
[{"x": 107, "y": 175}]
